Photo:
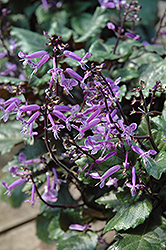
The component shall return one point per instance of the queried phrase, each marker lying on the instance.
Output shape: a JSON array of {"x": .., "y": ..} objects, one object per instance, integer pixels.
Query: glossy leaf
[
  {"x": 110, "y": 201},
  {"x": 9, "y": 136},
  {"x": 154, "y": 72},
  {"x": 157, "y": 166},
  {"x": 29, "y": 41},
  {"x": 97, "y": 22},
  {"x": 78, "y": 241},
  {"x": 12, "y": 80},
  {"x": 55, "y": 232},
  {"x": 129, "y": 216},
  {"x": 42, "y": 224},
  {"x": 100, "y": 52},
  {"x": 126, "y": 74},
  {"x": 150, "y": 236}
]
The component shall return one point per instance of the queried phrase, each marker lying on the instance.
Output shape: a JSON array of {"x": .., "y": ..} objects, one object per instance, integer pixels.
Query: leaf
[
  {"x": 12, "y": 80},
  {"x": 144, "y": 58},
  {"x": 126, "y": 74},
  {"x": 125, "y": 49},
  {"x": 55, "y": 232},
  {"x": 29, "y": 41},
  {"x": 157, "y": 166},
  {"x": 97, "y": 22},
  {"x": 158, "y": 49},
  {"x": 154, "y": 72},
  {"x": 150, "y": 236},
  {"x": 110, "y": 201},
  {"x": 100, "y": 53},
  {"x": 79, "y": 23},
  {"x": 78, "y": 241},
  {"x": 129, "y": 215},
  {"x": 42, "y": 224},
  {"x": 9, "y": 136}
]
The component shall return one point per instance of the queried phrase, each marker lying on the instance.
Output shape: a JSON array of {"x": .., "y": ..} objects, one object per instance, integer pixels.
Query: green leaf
[
  {"x": 9, "y": 136},
  {"x": 125, "y": 49},
  {"x": 143, "y": 59},
  {"x": 79, "y": 23},
  {"x": 150, "y": 236},
  {"x": 126, "y": 74},
  {"x": 12, "y": 80},
  {"x": 155, "y": 48},
  {"x": 110, "y": 201},
  {"x": 157, "y": 166},
  {"x": 29, "y": 41},
  {"x": 55, "y": 232},
  {"x": 42, "y": 224},
  {"x": 100, "y": 53},
  {"x": 154, "y": 72},
  {"x": 78, "y": 241},
  {"x": 129, "y": 215},
  {"x": 97, "y": 22}
]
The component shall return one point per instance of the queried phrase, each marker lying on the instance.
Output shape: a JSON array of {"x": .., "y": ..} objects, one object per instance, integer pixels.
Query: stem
[
  {"x": 54, "y": 205},
  {"x": 148, "y": 124},
  {"x": 57, "y": 162}
]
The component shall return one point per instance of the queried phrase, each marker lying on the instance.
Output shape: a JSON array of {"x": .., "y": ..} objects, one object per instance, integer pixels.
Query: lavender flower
[
  {"x": 79, "y": 227},
  {"x": 13, "y": 185},
  {"x": 143, "y": 154},
  {"x": 132, "y": 36},
  {"x": 32, "y": 200},
  {"x": 23, "y": 160},
  {"x": 27, "y": 59},
  {"x": 127, "y": 131},
  {"x": 110, "y": 26},
  {"x": 102, "y": 178},
  {"x": 67, "y": 84},
  {"x": 133, "y": 186},
  {"x": 72, "y": 55},
  {"x": 50, "y": 194},
  {"x": 55, "y": 127}
]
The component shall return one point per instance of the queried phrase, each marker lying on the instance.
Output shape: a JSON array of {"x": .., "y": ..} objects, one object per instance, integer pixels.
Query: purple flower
[
  {"x": 72, "y": 73},
  {"x": 56, "y": 180},
  {"x": 133, "y": 186},
  {"x": 27, "y": 108},
  {"x": 32, "y": 200},
  {"x": 55, "y": 127},
  {"x": 126, "y": 164},
  {"x": 27, "y": 59},
  {"x": 11, "y": 105},
  {"x": 132, "y": 36},
  {"x": 67, "y": 84},
  {"x": 50, "y": 194},
  {"x": 23, "y": 160},
  {"x": 143, "y": 154},
  {"x": 104, "y": 158},
  {"x": 46, "y": 5},
  {"x": 13, "y": 185},
  {"x": 127, "y": 131},
  {"x": 112, "y": 182},
  {"x": 74, "y": 56},
  {"x": 111, "y": 26},
  {"x": 10, "y": 69},
  {"x": 79, "y": 227},
  {"x": 109, "y": 172}
]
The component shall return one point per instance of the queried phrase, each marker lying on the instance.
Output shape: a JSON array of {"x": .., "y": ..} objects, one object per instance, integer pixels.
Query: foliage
[{"x": 83, "y": 90}]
